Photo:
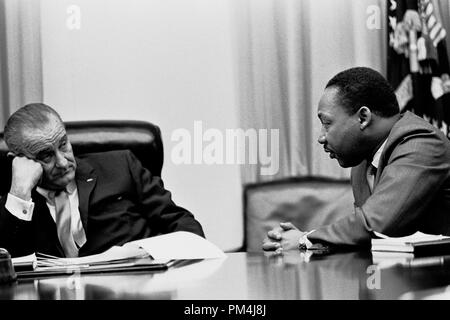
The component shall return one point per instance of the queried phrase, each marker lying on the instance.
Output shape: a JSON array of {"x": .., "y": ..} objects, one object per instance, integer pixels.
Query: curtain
[
  {"x": 286, "y": 51},
  {"x": 20, "y": 55}
]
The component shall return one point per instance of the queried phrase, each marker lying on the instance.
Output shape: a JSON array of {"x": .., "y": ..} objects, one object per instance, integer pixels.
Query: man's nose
[
  {"x": 61, "y": 160},
  {"x": 322, "y": 138}
]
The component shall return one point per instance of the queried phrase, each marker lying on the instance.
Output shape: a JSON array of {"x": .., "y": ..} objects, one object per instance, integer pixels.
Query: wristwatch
[{"x": 303, "y": 242}]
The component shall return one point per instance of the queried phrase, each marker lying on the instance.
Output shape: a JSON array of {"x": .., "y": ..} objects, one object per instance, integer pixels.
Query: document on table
[
  {"x": 24, "y": 259},
  {"x": 178, "y": 245},
  {"x": 114, "y": 254}
]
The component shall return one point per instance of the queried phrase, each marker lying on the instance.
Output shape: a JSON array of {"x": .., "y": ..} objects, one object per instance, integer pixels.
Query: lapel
[
  {"x": 379, "y": 169},
  {"x": 86, "y": 180},
  {"x": 403, "y": 126}
]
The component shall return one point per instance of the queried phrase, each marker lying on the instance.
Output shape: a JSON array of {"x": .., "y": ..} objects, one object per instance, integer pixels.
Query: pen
[{"x": 40, "y": 255}]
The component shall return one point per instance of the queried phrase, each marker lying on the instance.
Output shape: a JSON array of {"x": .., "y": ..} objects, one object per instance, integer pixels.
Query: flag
[{"x": 417, "y": 60}]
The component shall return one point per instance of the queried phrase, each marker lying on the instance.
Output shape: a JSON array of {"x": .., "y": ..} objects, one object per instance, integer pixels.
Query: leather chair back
[
  {"x": 142, "y": 138},
  {"x": 307, "y": 202}
]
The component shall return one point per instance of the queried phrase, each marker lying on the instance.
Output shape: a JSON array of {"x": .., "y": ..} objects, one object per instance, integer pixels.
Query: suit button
[{"x": 24, "y": 211}]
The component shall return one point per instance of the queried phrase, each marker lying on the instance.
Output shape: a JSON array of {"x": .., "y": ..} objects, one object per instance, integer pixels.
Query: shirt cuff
[
  {"x": 19, "y": 208},
  {"x": 303, "y": 242},
  {"x": 308, "y": 243}
]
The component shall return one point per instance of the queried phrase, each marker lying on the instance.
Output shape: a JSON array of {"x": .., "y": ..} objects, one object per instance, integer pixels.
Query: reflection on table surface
[{"x": 253, "y": 276}]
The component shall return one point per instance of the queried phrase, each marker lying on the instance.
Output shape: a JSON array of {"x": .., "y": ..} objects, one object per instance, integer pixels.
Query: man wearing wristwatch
[{"x": 400, "y": 166}]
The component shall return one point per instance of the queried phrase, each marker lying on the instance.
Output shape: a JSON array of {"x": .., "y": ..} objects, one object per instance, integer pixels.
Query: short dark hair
[
  {"x": 363, "y": 86},
  {"x": 32, "y": 116}
]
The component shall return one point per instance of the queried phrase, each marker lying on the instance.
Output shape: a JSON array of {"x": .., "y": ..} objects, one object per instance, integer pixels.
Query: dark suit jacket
[
  {"x": 411, "y": 190},
  {"x": 119, "y": 201}
]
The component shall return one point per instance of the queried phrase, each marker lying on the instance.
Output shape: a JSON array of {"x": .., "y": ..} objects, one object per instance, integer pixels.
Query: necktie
[{"x": 63, "y": 224}]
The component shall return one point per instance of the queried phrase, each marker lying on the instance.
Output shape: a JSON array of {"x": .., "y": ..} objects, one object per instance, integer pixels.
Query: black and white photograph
[{"x": 226, "y": 158}]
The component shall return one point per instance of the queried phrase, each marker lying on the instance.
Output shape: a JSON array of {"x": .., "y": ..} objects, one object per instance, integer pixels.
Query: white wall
[{"x": 164, "y": 61}]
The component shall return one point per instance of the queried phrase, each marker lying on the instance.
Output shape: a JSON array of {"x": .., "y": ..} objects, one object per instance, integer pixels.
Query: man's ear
[{"x": 364, "y": 117}]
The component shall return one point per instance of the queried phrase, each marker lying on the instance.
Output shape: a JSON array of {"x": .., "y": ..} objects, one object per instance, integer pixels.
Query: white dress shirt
[
  {"x": 24, "y": 210},
  {"x": 375, "y": 163}
]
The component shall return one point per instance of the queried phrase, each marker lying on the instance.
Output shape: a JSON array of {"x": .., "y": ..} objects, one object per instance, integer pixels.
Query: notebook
[{"x": 419, "y": 244}]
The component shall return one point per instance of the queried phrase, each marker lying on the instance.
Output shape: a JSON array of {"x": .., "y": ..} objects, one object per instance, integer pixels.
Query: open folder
[{"x": 154, "y": 253}]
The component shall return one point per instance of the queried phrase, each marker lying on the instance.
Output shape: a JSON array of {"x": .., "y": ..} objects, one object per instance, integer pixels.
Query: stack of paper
[
  {"x": 152, "y": 253},
  {"x": 28, "y": 262},
  {"x": 418, "y": 244},
  {"x": 113, "y": 255}
]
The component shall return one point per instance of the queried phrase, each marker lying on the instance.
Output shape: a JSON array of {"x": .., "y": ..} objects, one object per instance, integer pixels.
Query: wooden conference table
[{"x": 254, "y": 276}]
